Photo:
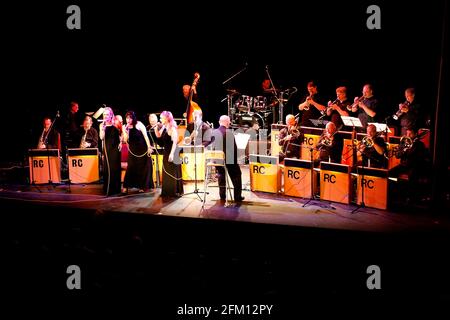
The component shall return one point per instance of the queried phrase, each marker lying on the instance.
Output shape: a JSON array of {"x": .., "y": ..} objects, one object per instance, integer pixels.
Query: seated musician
[
  {"x": 198, "y": 132},
  {"x": 290, "y": 139},
  {"x": 412, "y": 154},
  {"x": 373, "y": 149},
  {"x": 49, "y": 138},
  {"x": 89, "y": 135},
  {"x": 330, "y": 144}
]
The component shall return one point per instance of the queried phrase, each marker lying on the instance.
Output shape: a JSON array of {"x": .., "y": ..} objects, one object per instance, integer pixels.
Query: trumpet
[
  {"x": 350, "y": 107},
  {"x": 306, "y": 108},
  {"x": 400, "y": 112},
  {"x": 329, "y": 108}
]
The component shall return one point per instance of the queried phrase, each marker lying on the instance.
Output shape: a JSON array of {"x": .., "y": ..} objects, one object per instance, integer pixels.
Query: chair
[{"x": 215, "y": 158}]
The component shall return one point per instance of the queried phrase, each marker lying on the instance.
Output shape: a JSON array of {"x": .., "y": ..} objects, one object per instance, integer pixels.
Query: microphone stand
[
  {"x": 229, "y": 97},
  {"x": 48, "y": 151},
  {"x": 280, "y": 99},
  {"x": 196, "y": 190},
  {"x": 312, "y": 197}
]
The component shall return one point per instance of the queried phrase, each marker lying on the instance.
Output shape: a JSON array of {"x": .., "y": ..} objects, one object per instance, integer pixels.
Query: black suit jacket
[{"x": 223, "y": 139}]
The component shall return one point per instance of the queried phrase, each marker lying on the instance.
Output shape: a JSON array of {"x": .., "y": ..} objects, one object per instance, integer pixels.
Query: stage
[
  {"x": 258, "y": 207},
  {"x": 161, "y": 254}
]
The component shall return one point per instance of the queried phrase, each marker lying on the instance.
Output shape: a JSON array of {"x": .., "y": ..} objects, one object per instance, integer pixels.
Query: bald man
[
  {"x": 223, "y": 139},
  {"x": 290, "y": 139},
  {"x": 332, "y": 152}
]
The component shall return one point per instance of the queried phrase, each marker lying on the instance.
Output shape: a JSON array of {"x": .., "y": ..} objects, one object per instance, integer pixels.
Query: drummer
[{"x": 269, "y": 93}]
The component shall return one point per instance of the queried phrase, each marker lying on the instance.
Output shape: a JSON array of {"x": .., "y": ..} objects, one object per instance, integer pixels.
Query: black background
[
  {"x": 137, "y": 56},
  {"x": 134, "y": 55}
]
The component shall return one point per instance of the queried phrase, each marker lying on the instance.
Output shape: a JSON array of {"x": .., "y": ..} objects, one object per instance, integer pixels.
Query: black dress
[
  {"x": 111, "y": 165},
  {"x": 172, "y": 185},
  {"x": 139, "y": 169}
]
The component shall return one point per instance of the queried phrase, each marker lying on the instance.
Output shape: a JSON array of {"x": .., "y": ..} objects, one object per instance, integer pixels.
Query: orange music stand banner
[
  {"x": 189, "y": 159},
  {"x": 83, "y": 165},
  {"x": 265, "y": 173},
  {"x": 375, "y": 184},
  {"x": 45, "y": 166},
  {"x": 297, "y": 178},
  {"x": 335, "y": 182}
]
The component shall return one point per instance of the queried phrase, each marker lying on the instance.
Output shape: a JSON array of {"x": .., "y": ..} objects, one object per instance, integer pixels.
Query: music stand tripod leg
[{"x": 196, "y": 191}]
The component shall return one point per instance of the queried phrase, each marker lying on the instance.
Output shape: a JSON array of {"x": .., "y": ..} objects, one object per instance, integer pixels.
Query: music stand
[
  {"x": 319, "y": 122},
  {"x": 196, "y": 190},
  {"x": 313, "y": 196},
  {"x": 355, "y": 122},
  {"x": 241, "y": 143}
]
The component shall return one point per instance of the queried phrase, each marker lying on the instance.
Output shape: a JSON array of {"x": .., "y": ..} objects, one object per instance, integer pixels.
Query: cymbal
[{"x": 232, "y": 91}]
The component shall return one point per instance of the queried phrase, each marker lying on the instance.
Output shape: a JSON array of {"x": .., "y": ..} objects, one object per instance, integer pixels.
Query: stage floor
[{"x": 258, "y": 207}]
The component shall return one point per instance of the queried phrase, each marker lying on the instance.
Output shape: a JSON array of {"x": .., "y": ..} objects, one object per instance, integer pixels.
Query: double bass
[{"x": 192, "y": 105}]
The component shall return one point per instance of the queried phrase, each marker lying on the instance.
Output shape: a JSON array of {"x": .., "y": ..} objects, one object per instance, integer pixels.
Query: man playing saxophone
[
  {"x": 373, "y": 149},
  {"x": 49, "y": 137},
  {"x": 89, "y": 135},
  {"x": 290, "y": 139}
]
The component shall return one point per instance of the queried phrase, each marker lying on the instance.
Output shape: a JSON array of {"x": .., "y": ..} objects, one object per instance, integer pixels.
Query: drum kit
[{"x": 250, "y": 111}]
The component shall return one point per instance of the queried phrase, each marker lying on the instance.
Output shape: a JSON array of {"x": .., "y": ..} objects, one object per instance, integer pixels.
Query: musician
[
  {"x": 330, "y": 144},
  {"x": 366, "y": 106},
  {"x": 223, "y": 139},
  {"x": 270, "y": 93},
  {"x": 139, "y": 168},
  {"x": 408, "y": 112},
  {"x": 154, "y": 125},
  {"x": 112, "y": 147},
  {"x": 88, "y": 134},
  {"x": 290, "y": 139},
  {"x": 413, "y": 157},
  {"x": 312, "y": 106},
  {"x": 50, "y": 134},
  {"x": 338, "y": 107},
  {"x": 191, "y": 98},
  {"x": 72, "y": 126},
  {"x": 374, "y": 155},
  {"x": 198, "y": 132}
]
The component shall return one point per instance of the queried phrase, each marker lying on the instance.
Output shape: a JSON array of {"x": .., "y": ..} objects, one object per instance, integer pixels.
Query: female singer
[
  {"x": 111, "y": 148},
  {"x": 139, "y": 168},
  {"x": 172, "y": 185}
]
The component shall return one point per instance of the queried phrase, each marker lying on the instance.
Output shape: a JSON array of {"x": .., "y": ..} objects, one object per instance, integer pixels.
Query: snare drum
[{"x": 244, "y": 104}]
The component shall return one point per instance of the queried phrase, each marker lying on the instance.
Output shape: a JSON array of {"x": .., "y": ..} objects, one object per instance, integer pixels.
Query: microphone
[{"x": 57, "y": 114}]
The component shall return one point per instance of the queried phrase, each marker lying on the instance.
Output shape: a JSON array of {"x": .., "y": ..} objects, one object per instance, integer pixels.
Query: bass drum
[{"x": 251, "y": 120}]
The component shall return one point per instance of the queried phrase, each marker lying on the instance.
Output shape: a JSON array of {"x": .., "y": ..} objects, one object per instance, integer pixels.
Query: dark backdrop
[{"x": 135, "y": 56}]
